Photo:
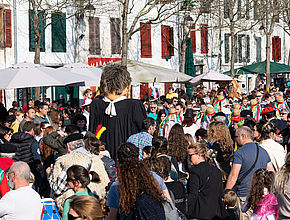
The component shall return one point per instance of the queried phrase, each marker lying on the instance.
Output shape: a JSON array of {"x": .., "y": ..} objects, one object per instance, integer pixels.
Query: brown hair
[
  {"x": 88, "y": 206},
  {"x": 282, "y": 177},
  {"x": 115, "y": 78},
  {"x": 189, "y": 138},
  {"x": 230, "y": 198},
  {"x": 177, "y": 144},
  {"x": 93, "y": 145},
  {"x": 86, "y": 91},
  {"x": 136, "y": 179},
  {"x": 261, "y": 179},
  {"x": 45, "y": 150},
  {"x": 222, "y": 135}
]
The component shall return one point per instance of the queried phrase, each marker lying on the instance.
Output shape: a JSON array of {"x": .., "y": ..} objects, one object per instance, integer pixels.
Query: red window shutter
[
  {"x": 145, "y": 32},
  {"x": 171, "y": 41},
  {"x": 193, "y": 39},
  {"x": 273, "y": 48},
  {"x": 163, "y": 41},
  {"x": 204, "y": 38},
  {"x": 8, "y": 28},
  {"x": 278, "y": 49}
]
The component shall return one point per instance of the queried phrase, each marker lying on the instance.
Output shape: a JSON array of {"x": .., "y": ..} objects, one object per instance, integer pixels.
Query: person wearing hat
[
  {"x": 77, "y": 155},
  {"x": 209, "y": 113},
  {"x": 171, "y": 119},
  {"x": 86, "y": 108},
  {"x": 220, "y": 103},
  {"x": 189, "y": 127},
  {"x": 278, "y": 105},
  {"x": 171, "y": 94},
  {"x": 269, "y": 114},
  {"x": 256, "y": 109}
]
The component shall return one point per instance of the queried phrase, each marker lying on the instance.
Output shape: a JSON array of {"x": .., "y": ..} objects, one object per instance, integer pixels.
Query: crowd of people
[{"x": 206, "y": 155}]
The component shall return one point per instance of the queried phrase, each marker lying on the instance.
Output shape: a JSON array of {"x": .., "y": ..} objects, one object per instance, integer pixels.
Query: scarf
[{"x": 111, "y": 109}]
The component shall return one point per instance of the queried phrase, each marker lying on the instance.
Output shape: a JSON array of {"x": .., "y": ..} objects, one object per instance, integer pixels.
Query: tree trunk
[
  {"x": 268, "y": 74},
  {"x": 233, "y": 53},
  {"x": 183, "y": 56},
  {"x": 125, "y": 39}
]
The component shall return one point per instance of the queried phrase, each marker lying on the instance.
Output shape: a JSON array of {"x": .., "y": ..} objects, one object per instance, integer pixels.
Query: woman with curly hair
[
  {"x": 281, "y": 188},
  {"x": 260, "y": 199},
  {"x": 139, "y": 189},
  {"x": 275, "y": 150},
  {"x": 177, "y": 145},
  {"x": 222, "y": 143}
]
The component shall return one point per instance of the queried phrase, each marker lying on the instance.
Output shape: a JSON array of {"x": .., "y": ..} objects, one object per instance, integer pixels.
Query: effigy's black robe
[{"x": 130, "y": 115}]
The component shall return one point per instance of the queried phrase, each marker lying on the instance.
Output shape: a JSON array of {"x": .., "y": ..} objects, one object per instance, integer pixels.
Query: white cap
[{"x": 87, "y": 102}]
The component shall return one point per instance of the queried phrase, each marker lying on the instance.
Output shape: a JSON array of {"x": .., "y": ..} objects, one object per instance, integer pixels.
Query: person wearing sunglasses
[
  {"x": 204, "y": 186},
  {"x": 86, "y": 207}
]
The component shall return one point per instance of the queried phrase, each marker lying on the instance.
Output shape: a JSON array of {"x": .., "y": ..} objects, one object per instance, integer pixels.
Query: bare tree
[
  {"x": 150, "y": 11},
  {"x": 268, "y": 13}
]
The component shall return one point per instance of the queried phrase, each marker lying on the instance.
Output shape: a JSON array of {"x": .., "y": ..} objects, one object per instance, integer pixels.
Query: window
[
  {"x": 258, "y": 49},
  {"x": 41, "y": 26},
  {"x": 243, "y": 48},
  {"x": 58, "y": 32},
  {"x": 167, "y": 41},
  {"x": 193, "y": 39},
  {"x": 276, "y": 49},
  {"x": 145, "y": 33},
  {"x": 116, "y": 35},
  {"x": 204, "y": 38},
  {"x": 227, "y": 48},
  {"x": 94, "y": 36},
  {"x": 5, "y": 28}
]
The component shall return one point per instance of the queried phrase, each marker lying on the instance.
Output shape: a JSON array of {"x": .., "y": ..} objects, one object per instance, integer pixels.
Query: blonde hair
[
  {"x": 200, "y": 148},
  {"x": 189, "y": 138},
  {"x": 222, "y": 135}
]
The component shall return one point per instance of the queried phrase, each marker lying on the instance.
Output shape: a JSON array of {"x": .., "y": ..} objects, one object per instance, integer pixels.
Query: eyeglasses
[
  {"x": 71, "y": 217},
  {"x": 153, "y": 107}
]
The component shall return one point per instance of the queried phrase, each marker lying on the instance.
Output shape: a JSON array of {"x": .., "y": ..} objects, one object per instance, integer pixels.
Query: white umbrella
[
  {"x": 92, "y": 75},
  {"x": 211, "y": 76},
  {"x": 25, "y": 75},
  {"x": 148, "y": 73}
]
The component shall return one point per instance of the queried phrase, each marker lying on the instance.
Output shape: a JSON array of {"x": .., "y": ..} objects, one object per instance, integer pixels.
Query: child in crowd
[
  {"x": 260, "y": 199},
  {"x": 230, "y": 201}
]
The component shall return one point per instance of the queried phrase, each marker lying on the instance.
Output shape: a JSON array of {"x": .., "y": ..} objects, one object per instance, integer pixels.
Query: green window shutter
[
  {"x": 258, "y": 47},
  {"x": 248, "y": 48},
  {"x": 236, "y": 48},
  {"x": 227, "y": 47},
  {"x": 240, "y": 42},
  {"x": 255, "y": 10},
  {"x": 248, "y": 4},
  {"x": 58, "y": 32},
  {"x": 41, "y": 26},
  {"x": 226, "y": 9},
  {"x": 239, "y": 8}
]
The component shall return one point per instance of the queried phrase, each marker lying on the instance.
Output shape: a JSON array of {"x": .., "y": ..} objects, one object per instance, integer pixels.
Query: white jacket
[{"x": 276, "y": 152}]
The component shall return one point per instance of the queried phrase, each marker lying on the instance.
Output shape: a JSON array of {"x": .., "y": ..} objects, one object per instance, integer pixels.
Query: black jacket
[
  {"x": 24, "y": 143},
  {"x": 205, "y": 190}
]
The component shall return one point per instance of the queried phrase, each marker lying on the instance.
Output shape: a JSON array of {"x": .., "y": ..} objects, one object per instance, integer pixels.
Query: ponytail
[{"x": 94, "y": 177}]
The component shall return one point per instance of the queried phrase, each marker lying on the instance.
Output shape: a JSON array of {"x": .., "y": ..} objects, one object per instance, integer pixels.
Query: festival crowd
[{"x": 209, "y": 155}]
